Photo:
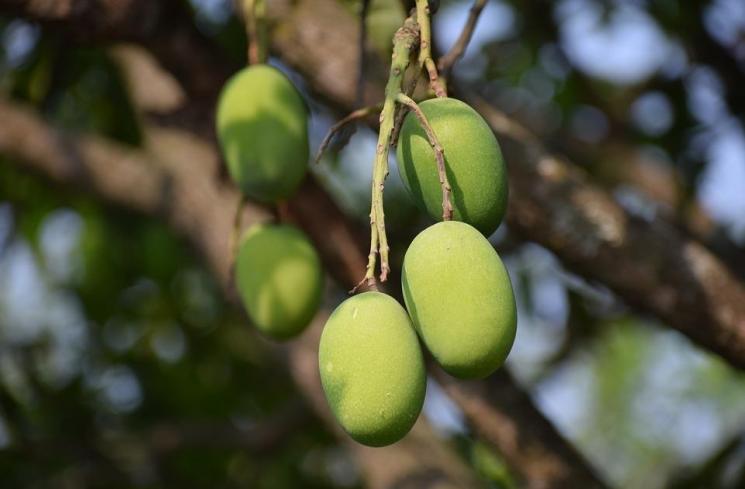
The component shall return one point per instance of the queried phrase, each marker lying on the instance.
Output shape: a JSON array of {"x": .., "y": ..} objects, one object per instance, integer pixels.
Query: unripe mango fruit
[
  {"x": 460, "y": 299},
  {"x": 372, "y": 369},
  {"x": 473, "y": 164},
  {"x": 262, "y": 126},
  {"x": 279, "y": 278}
]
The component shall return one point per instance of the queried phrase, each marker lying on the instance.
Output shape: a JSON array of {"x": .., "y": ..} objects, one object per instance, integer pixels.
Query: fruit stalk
[
  {"x": 438, "y": 87},
  {"x": 253, "y": 14},
  {"x": 401, "y": 114},
  {"x": 425, "y": 47},
  {"x": 447, "y": 206},
  {"x": 404, "y": 41},
  {"x": 235, "y": 233}
]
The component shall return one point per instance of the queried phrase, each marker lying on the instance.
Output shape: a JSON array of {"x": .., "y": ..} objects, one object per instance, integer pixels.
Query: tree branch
[
  {"x": 446, "y": 62},
  {"x": 164, "y": 27},
  {"x": 651, "y": 265},
  {"x": 508, "y": 421}
]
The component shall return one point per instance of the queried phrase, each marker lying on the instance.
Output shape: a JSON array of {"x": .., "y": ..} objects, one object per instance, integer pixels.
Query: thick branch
[
  {"x": 650, "y": 264},
  {"x": 165, "y": 27},
  {"x": 132, "y": 19},
  {"x": 508, "y": 421}
]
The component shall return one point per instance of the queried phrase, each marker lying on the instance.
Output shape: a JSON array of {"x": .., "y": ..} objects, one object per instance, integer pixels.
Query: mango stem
[
  {"x": 235, "y": 234},
  {"x": 425, "y": 48},
  {"x": 253, "y": 15},
  {"x": 447, "y": 206},
  {"x": 404, "y": 41}
]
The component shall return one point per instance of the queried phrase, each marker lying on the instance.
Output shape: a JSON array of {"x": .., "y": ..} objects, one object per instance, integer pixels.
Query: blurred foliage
[
  {"x": 79, "y": 89},
  {"x": 143, "y": 339},
  {"x": 118, "y": 352}
]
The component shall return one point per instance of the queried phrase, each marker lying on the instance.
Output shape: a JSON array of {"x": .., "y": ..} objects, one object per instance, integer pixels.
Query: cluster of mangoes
[
  {"x": 262, "y": 126},
  {"x": 457, "y": 291}
]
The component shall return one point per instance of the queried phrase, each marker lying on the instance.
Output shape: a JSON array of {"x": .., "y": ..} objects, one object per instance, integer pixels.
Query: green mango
[
  {"x": 279, "y": 278},
  {"x": 473, "y": 163},
  {"x": 262, "y": 126},
  {"x": 372, "y": 369},
  {"x": 460, "y": 299}
]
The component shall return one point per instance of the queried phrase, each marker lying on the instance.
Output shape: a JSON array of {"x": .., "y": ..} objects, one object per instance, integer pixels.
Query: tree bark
[{"x": 509, "y": 421}]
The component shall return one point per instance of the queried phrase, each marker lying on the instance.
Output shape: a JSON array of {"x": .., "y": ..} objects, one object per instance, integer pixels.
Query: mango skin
[
  {"x": 262, "y": 127},
  {"x": 279, "y": 278},
  {"x": 460, "y": 299},
  {"x": 473, "y": 164},
  {"x": 372, "y": 369}
]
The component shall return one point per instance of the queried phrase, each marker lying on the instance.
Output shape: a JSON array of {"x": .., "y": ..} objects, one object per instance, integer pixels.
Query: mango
[
  {"x": 473, "y": 162},
  {"x": 460, "y": 299},
  {"x": 279, "y": 278},
  {"x": 372, "y": 369},
  {"x": 262, "y": 127}
]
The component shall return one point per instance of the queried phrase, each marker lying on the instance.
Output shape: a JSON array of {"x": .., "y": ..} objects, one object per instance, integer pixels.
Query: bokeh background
[{"x": 122, "y": 363}]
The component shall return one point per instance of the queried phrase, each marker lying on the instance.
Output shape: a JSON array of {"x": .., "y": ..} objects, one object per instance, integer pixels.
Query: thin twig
[
  {"x": 235, "y": 234},
  {"x": 447, "y": 206},
  {"x": 354, "y": 116},
  {"x": 253, "y": 14},
  {"x": 425, "y": 47},
  {"x": 282, "y": 212},
  {"x": 447, "y": 61}
]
